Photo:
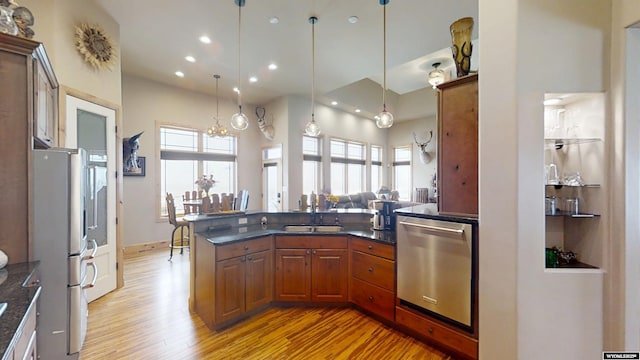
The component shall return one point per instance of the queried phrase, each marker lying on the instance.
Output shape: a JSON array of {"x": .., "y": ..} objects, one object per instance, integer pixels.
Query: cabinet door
[
  {"x": 330, "y": 275},
  {"x": 230, "y": 285},
  {"x": 293, "y": 274},
  {"x": 259, "y": 279},
  {"x": 458, "y": 146},
  {"x": 46, "y": 107}
]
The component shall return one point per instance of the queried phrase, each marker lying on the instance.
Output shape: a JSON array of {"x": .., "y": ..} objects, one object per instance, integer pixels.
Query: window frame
[
  {"x": 199, "y": 155},
  {"x": 346, "y": 160},
  {"x": 394, "y": 165},
  {"x": 317, "y": 158}
]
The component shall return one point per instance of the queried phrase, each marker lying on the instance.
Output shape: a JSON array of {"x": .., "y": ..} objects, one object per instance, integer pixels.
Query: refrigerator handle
[
  {"x": 94, "y": 196},
  {"x": 95, "y": 276},
  {"x": 93, "y": 252}
]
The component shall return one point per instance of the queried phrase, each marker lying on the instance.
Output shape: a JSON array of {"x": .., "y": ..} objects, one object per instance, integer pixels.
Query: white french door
[{"x": 92, "y": 127}]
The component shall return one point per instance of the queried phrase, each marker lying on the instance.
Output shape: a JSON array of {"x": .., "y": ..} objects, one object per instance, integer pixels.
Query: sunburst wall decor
[{"x": 95, "y": 45}]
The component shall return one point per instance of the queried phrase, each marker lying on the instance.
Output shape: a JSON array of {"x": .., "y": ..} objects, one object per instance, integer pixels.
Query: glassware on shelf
[{"x": 551, "y": 174}]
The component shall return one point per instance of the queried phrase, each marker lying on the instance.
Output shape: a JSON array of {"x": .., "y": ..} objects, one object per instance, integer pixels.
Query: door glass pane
[
  {"x": 273, "y": 195},
  {"x": 92, "y": 136}
]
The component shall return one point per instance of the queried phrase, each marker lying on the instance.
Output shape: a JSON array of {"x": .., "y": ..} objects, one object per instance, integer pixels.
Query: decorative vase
[{"x": 461, "y": 31}]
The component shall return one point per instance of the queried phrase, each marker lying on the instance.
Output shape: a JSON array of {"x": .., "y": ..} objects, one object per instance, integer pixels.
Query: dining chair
[
  {"x": 241, "y": 202},
  {"x": 178, "y": 224}
]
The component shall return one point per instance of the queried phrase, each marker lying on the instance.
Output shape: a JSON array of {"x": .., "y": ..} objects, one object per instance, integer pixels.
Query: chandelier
[
  {"x": 312, "y": 129},
  {"x": 239, "y": 120},
  {"x": 217, "y": 129},
  {"x": 384, "y": 119}
]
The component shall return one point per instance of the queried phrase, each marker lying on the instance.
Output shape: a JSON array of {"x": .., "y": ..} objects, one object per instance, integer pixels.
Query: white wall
[
  {"x": 148, "y": 103},
  {"x": 401, "y": 133},
  {"x": 55, "y": 22},
  {"x": 622, "y": 303},
  {"x": 530, "y": 47}
]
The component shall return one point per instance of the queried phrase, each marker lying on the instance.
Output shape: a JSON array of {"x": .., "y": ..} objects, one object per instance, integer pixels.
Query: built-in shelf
[
  {"x": 569, "y": 214},
  {"x": 560, "y": 186},
  {"x": 559, "y": 143}
]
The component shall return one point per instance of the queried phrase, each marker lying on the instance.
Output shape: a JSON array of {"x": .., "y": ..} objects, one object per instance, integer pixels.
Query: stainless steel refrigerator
[{"x": 60, "y": 244}]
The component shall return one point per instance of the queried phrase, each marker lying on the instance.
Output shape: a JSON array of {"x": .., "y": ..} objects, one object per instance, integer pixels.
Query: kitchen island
[{"x": 244, "y": 263}]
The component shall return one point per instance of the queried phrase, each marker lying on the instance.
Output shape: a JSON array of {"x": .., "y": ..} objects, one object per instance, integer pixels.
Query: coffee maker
[{"x": 384, "y": 219}]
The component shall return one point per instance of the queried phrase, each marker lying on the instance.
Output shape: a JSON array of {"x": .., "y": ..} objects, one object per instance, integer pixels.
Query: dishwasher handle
[{"x": 436, "y": 230}]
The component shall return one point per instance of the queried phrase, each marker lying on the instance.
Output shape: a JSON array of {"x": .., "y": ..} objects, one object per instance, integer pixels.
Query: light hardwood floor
[{"x": 149, "y": 319}]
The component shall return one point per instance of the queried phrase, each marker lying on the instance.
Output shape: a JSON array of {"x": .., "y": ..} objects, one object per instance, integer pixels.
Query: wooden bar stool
[{"x": 178, "y": 224}]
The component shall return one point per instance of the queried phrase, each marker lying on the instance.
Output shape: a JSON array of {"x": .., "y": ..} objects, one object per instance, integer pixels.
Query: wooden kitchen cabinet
[
  {"x": 244, "y": 278},
  {"x": 21, "y": 61},
  {"x": 373, "y": 282},
  {"x": 232, "y": 280},
  {"x": 312, "y": 268},
  {"x": 458, "y": 146}
]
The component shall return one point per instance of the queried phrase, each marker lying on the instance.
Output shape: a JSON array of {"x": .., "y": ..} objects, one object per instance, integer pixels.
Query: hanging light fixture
[
  {"x": 384, "y": 119},
  {"x": 239, "y": 121},
  {"x": 217, "y": 129},
  {"x": 436, "y": 76},
  {"x": 312, "y": 129}
]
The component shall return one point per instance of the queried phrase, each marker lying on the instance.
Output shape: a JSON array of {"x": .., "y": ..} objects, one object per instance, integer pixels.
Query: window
[
  {"x": 376, "y": 167},
  {"x": 347, "y": 167},
  {"x": 402, "y": 171},
  {"x": 311, "y": 165},
  {"x": 187, "y": 154}
]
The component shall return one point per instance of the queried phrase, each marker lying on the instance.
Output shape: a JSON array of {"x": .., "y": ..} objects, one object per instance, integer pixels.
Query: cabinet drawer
[
  {"x": 374, "y": 248},
  {"x": 373, "y": 269},
  {"x": 379, "y": 301},
  {"x": 311, "y": 242},
  {"x": 243, "y": 248},
  {"x": 25, "y": 333},
  {"x": 440, "y": 334}
]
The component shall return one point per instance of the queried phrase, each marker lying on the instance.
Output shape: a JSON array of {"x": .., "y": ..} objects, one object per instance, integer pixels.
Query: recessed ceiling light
[
  {"x": 274, "y": 20},
  {"x": 235, "y": 89},
  {"x": 352, "y": 19},
  {"x": 334, "y": 103},
  {"x": 205, "y": 39},
  {"x": 179, "y": 74},
  {"x": 253, "y": 79},
  {"x": 190, "y": 59},
  {"x": 357, "y": 110},
  {"x": 273, "y": 66}
]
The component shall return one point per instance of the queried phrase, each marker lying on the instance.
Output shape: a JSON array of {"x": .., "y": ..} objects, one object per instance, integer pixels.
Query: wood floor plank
[{"x": 149, "y": 319}]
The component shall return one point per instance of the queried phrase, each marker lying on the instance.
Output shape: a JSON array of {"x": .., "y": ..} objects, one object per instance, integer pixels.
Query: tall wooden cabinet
[
  {"x": 458, "y": 146},
  {"x": 28, "y": 102}
]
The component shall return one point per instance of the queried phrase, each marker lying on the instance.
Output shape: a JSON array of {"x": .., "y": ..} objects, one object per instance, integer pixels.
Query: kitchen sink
[{"x": 313, "y": 228}]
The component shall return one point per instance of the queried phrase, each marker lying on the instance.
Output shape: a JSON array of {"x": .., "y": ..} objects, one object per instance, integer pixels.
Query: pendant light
[
  {"x": 312, "y": 129},
  {"x": 217, "y": 129},
  {"x": 384, "y": 119},
  {"x": 239, "y": 121}
]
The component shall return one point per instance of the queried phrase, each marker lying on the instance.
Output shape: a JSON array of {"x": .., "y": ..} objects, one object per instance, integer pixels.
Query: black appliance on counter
[{"x": 385, "y": 212}]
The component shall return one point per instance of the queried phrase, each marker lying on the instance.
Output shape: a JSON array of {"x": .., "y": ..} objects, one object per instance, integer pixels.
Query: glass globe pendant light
[
  {"x": 384, "y": 119},
  {"x": 217, "y": 129},
  {"x": 312, "y": 129},
  {"x": 239, "y": 121}
]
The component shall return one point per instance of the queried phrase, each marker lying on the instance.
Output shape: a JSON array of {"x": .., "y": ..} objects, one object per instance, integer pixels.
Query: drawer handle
[
  {"x": 246, "y": 247},
  {"x": 430, "y": 330},
  {"x": 371, "y": 298},
  {"x": 370, "y": 270},
  {"x": 249, "y": 258},
  {"x": 370, "y": 247}
]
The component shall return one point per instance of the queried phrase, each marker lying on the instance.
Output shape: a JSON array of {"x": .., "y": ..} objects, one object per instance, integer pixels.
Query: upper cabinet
[
  {"x": 29, "y": 96},
  {"x": 458, "y": 146},
  {"x": 45, "y": 88},
  {"x": 574, "y": 178}
]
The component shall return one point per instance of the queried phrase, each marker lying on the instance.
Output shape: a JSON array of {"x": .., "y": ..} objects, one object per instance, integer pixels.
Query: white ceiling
[{"x": 156, "y": 35}]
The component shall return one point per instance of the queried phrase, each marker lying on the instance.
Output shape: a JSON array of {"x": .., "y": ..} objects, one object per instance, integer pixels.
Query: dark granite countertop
[
  {"x": 430, "y": 211},
  {"x": 230, "y": 235},
  {"x": 222, "y": 215},
  {"x": 19, "y": 299}
]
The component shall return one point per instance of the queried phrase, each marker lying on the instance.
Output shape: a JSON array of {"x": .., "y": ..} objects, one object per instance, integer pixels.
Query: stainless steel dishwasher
[{"x": 435, "y": 262}]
